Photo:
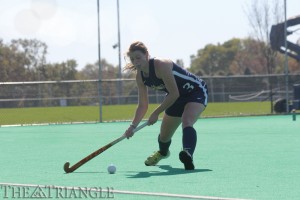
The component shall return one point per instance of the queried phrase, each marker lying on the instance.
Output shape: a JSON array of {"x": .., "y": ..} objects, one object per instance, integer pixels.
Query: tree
[
  {"x": 248, "y": 59},
  {"x": 108, "y": 71},
  {"x": 91, "y": 71},
  {"x": 35, "y": 52},
  {"x": 59, "y": 71},
  {"x": 261, "y": 15},
  {"x": 12, "y": 63},
  {"x": 215, "y": 59}
]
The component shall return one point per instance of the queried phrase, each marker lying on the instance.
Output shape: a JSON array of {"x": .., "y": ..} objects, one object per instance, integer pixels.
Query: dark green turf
[
  {"x": 245, "y": 157},
  {"x": 37, "y": 115}
]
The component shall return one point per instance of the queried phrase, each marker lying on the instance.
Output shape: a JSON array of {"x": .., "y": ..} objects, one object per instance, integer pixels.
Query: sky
[{"x": 174, "y": 29}]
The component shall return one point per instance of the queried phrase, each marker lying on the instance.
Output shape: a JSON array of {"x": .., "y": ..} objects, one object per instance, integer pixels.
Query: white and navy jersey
[{"x": 187, "y": 82}]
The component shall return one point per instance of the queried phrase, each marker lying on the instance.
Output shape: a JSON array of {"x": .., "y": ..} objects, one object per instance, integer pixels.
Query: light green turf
[{"x": 245, "y": 157}]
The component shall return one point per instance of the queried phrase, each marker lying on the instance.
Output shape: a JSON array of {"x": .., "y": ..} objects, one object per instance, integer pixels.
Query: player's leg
[
  {"x": 168, "y": 128},
  {"x": 191, "y": 113}
]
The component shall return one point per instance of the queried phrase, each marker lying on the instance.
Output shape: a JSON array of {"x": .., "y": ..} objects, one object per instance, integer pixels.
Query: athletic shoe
[
  {"x": 155, "y": 158},
  {"x": 186, "y": 158}
]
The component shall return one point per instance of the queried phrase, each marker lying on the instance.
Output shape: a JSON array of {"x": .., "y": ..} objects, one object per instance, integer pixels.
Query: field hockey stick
[{"x": 69, "y": 169}]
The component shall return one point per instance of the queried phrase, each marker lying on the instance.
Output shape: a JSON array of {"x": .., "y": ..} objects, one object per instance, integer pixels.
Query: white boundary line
[{"x": 113, "y": 191}]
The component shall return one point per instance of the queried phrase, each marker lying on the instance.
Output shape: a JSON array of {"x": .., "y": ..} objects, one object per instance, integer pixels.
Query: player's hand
[
  {"x": 153, "y": 118},
  {"x": 129, "y": 132}
]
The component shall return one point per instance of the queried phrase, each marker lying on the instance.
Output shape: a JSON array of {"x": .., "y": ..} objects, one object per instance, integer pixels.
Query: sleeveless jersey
[{"x": 187, "y": 82}]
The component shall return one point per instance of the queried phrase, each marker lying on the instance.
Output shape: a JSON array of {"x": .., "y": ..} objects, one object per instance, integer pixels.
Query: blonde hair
[{"x": 135, "y": 46}]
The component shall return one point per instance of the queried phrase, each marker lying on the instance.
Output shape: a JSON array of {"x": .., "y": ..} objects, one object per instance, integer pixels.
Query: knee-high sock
[
  {"x": 189, "y": 139},
  {"x": 163, "y": 147}
]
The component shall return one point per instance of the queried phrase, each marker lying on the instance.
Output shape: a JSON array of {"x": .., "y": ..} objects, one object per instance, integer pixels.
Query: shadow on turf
[{"x": 169, "y": 172}]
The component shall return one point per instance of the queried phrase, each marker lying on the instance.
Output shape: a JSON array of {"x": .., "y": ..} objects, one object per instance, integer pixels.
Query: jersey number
[{"x": 188, "y": 86}]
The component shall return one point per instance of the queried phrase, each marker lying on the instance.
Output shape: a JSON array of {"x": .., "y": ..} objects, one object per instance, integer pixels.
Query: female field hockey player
[{"x": 186, "y": 99}]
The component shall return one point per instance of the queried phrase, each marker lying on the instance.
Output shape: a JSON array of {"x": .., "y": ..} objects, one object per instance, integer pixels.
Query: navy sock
[
  {"x": 189, "y": 139},
  {"x": 163, "y": 146}
]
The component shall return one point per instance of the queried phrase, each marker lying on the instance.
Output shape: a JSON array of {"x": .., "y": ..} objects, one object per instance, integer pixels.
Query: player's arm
[
  {"x": 142, "y": 105},
  {"x": 142, "y": 100},
  {"x": 163, "y": 69}
]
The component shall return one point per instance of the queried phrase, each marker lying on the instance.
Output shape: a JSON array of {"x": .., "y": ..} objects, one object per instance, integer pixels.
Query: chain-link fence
[{"x": 108, "y": 92}]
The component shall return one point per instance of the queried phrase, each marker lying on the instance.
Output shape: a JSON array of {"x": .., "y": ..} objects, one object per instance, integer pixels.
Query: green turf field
[
  {"x": 115, "y": 113},
  {"x": 236, "y": 158}
]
